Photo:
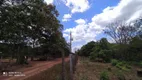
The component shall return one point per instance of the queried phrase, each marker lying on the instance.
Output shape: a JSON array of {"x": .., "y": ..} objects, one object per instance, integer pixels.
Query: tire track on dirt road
[{"x": 38, "y": 68}]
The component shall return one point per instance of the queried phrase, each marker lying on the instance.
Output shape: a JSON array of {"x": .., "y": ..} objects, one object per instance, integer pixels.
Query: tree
[
  {"x": 101, "y": 51},
  {"x": 34, "y": 22},
  {"x": 121, "y": 32},
  {"x": 135, "y": 49},
  {"x": 1, "y": 2},
  {"x": 104, "y": 44},
  {"x": 86, "y": 49},
  {"x": 138, "y": 24}
]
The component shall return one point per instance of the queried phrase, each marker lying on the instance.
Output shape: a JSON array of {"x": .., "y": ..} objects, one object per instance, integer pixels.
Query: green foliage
[
  {"x": 135, "y": 49},
  {"x": 104, "y": 44},
  {"x": 106, "y": 51},
  {"x": 123, "y": 66},
  {"x": 101, "y": 50},
  {"x": 93, "y": 56},
  {"x": 105, "y": 55},
  {"x": 87, "y": 49},
  {"x": 104, "y": 75},
  {"x": 140, "y": 64},
  {"x": 32, "y": 23},
  {"x": 114, "y": 62}
]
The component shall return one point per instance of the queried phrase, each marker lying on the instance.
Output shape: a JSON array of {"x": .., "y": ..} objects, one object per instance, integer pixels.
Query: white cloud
[
  {"x": 65, "y": 35},
  {"x": 80, "y": 21},
  {"x": 76, "y": 48},
  {"x": 49, "y": 1},
  {"x": 84, "y": 31},
  {"x": 66, "y": 17},
  {"x": 77, "y": 5},
  {"x": 126, "y": 9}
]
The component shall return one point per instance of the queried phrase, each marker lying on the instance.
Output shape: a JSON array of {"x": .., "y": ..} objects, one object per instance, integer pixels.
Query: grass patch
[
  {"x": 123, "y": 65},
  {"x": 104, "y": 75},
  {"x": 53, "y": 73},
  {"x": 87, "y": 70}
]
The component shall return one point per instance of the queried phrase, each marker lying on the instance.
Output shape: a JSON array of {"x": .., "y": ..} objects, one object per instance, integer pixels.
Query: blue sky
[{"x": 87, "y": 19}]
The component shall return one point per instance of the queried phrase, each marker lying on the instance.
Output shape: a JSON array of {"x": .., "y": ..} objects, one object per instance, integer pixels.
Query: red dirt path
[{"x": 38, "y": 67}]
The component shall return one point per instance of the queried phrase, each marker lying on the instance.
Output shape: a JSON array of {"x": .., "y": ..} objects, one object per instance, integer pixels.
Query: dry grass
[
  {"x": 53, "y": 73},
  {"x": 87, "y": 70}
]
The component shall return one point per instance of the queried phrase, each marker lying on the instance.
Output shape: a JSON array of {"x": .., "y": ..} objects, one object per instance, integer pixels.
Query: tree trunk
[
  {"x": 32, "y": 57},
  {"x": 20, "y": 58},
  {"x": 0, "y": 60}
]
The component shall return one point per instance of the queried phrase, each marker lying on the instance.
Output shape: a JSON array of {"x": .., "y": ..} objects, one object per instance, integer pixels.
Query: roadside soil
[{"x": 34, "y": 67}]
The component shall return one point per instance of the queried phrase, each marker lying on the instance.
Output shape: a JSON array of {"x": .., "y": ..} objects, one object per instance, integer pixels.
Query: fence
[{"x": 73, "y": 62}]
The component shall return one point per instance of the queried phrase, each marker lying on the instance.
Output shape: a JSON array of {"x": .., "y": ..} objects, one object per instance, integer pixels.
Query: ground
[
  {"x": 36, "y": 67},
  {"x": 86, "y": 70}
]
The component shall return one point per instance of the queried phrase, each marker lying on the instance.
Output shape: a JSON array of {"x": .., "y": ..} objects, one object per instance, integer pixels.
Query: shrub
[
  {"x": 140, "y": 64},
  {"x": 105, "y": 55},
  {"x": 93, "y": 56},
  {"x": 104, "y": 75},
  {"x": 114, "y": 62},
  {"x": 123, "y": 66},
  {"x": 119, "y": 65},
  {"x": 120, "y": 76},
  {"x": 128, "y": 66}
]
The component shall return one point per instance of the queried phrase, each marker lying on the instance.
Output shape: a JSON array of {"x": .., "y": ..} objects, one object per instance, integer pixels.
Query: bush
[
  {"x": 92, "y": 56},
  {"x": 104, "y": 75},
  {"x": 105, "y": 55},
  {"x": 114, "y": 62},
  {"x": 119, "y": 65}
]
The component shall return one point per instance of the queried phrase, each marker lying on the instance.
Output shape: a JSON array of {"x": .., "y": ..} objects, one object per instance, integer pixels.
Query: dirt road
[{"x": 38, "y": 67}]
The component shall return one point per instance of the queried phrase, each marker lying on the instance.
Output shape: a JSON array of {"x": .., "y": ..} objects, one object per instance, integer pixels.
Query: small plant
[
  {"x": 84, "y": 78},
  {"x": 109, "y": 68},
  {"x": 140, "y": 64},
  {"x": 120, "y": 76},
  {"x": 104, "y": 75},
  {"x": 119, "y": 65},
  {"x": 128, "y": 66},
  {"x": 123, "y": 66},
  {"x": 114, "y": 62}
]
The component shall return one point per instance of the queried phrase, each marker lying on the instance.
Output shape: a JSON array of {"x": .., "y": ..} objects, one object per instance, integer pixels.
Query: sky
[{"x": 87, "y": 19}]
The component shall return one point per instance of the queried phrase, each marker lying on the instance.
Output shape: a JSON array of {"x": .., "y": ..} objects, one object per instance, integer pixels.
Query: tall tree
[
  {"x": 121, "y": 31},
  {"x": 33, "y": 21}
]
